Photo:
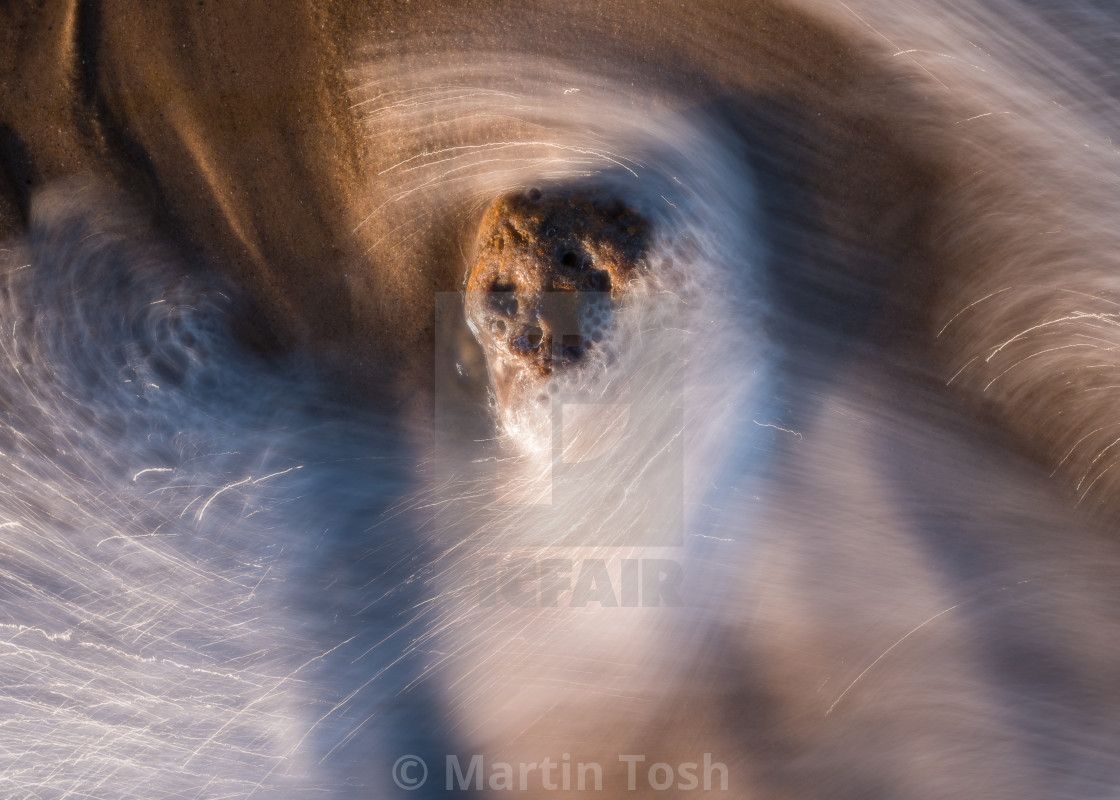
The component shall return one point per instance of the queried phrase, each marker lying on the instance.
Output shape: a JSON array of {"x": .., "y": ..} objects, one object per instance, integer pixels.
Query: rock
[{"x": 549, "y": 269}]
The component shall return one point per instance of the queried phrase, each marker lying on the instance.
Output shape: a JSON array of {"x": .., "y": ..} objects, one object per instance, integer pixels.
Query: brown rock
[{"x": 549, "y": 268}]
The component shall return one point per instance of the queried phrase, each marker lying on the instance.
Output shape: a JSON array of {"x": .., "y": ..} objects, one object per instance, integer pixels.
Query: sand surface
[{"x": 239, "y": 128}]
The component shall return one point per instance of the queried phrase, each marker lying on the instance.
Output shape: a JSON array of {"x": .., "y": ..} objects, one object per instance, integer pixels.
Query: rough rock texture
[{"x": 548, "y": 270}]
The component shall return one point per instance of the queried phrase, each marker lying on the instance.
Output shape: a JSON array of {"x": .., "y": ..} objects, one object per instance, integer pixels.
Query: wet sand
[{"x": 238, "y": 127}]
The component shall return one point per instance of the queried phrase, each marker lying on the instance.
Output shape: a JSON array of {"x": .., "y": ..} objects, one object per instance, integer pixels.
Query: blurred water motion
[{"x": 827, "y": 513}]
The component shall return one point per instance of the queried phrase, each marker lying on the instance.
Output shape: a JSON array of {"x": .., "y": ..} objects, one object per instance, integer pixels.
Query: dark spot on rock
[{"x": 599, "y": 281}]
